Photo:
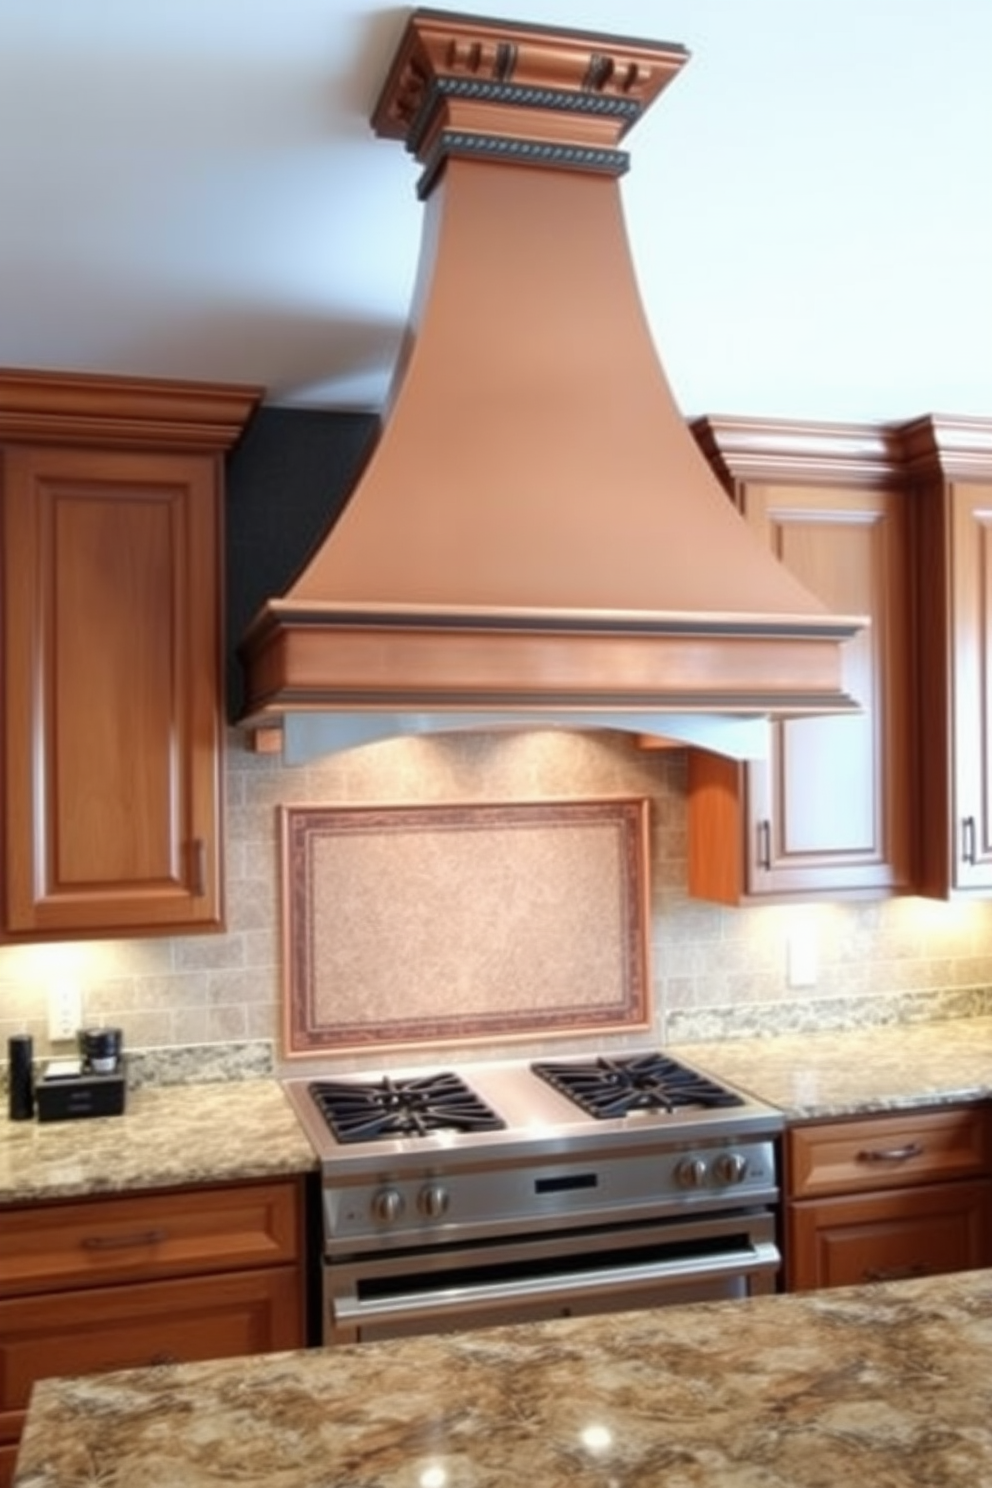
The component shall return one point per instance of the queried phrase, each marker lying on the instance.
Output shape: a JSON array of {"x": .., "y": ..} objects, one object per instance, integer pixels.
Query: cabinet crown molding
[
  {"x": 948, "y": 445},
  {"x": 84, "y": 408},
  {"x": 873, "y": 455}
]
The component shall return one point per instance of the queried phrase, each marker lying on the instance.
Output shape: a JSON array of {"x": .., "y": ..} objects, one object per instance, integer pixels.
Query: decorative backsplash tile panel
[{"x": 455, "y": 923}]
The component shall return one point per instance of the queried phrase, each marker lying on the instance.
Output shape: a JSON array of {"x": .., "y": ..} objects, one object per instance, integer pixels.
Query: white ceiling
[{"x": 191, "y": 188}]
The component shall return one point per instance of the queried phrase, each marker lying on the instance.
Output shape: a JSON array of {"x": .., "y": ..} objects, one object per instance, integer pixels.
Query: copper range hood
[{"x": 536, "y": 538}]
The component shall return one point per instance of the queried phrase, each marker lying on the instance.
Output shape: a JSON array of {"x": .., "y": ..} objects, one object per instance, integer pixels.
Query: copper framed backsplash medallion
[{"x": 407, "y": 925}]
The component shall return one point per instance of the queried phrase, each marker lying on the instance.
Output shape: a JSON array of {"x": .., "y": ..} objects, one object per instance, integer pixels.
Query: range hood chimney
[{"x": 536, "y": 538}]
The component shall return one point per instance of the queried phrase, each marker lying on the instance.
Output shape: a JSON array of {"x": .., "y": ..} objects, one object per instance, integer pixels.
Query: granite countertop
[
  {"x": 820, "y": 1075},
  {"x": 884, "y": 1385},
  {"x": 169, "y": 1135},
  {"x": 227, "y": 1130}
]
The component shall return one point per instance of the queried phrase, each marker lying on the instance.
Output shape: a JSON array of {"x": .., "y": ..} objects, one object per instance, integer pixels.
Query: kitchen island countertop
[
  {"x": 169, "y": 1136},
  {"x": 884, "y": 1385}
]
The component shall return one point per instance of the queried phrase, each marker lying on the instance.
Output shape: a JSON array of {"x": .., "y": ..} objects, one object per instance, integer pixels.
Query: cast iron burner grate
[
  {"x": 414, "y": 1107},
  {"x": 606, "y": 1087}
]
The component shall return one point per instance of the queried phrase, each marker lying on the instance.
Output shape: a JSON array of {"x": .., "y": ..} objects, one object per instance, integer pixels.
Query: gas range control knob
[
  {"x": 432, "y": 1201},
  {"x": 730, "y": 1167},
  {"x": 387, "y": 1206},
  {"x": 691, "y": 1172}
]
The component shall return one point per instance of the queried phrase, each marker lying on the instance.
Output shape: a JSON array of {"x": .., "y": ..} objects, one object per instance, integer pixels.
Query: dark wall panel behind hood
[{"x": 288, "y": 479}]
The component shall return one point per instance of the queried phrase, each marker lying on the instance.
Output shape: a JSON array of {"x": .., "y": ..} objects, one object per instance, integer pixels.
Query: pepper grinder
[{"x": 20, "y": 1052}]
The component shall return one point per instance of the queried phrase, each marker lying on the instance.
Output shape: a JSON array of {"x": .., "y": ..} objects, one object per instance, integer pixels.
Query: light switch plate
[{"x": 801, "y": 958}]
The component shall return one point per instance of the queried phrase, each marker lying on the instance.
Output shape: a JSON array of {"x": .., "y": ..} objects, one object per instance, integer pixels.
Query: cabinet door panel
[
  {"x": 113, "y": 685},
  {"x": 829, "y": 805},
  {"x": 907, "y": 1232},
  {"x": 829, "y": 813},
  {"x": 223, "y": 1316},
  {"x": 8, "y": 1455},
  {"x": 971, "y": 819}
]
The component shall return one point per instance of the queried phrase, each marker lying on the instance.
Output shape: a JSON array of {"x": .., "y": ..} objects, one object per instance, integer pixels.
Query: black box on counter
[{"x": 66, "y": 1092}]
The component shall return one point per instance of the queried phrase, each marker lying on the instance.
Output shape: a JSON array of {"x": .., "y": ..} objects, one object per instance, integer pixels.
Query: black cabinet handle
[
  {"x": 968, "y": 840},
  {"x": 765, "y": 844},
  {"x": 199, "y": 867}
]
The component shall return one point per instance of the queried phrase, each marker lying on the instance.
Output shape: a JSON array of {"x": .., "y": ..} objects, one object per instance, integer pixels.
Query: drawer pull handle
[
  {"x": 765, "y": 844},
  {"x": 891, "y": 1154},
  {"x": 124, "y": 1242},
  {"x": 968, "y": 848},
  {"x": 896, "y": 1273}
]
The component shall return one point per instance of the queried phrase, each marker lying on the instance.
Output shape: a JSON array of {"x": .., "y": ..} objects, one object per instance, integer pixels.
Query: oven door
[{"x": 605, "y": 1269}]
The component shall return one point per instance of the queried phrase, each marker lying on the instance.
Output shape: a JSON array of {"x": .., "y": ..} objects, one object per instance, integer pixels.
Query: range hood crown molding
[{"x": 536, "y": 529}]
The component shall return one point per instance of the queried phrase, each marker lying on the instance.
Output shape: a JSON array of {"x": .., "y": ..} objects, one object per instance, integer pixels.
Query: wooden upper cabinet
[
  {"x": 828, "y": 815},
  {"x": 113, "y": 710},
  {"x": 951, "y": 464}
]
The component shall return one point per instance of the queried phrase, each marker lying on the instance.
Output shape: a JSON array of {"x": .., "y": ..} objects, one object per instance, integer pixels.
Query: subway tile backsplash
[{"x": 717, "y": 973}]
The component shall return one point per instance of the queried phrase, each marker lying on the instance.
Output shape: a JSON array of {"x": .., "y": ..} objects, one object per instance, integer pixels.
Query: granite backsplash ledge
[
  {"x": 200, "y": 1064},
  {"x": 827, "y": 1015}
]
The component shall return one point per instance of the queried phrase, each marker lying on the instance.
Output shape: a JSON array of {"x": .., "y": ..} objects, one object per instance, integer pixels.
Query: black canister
[
  {"x": 101, "y": 1049},
  {"x": 20, "y": 1053}
]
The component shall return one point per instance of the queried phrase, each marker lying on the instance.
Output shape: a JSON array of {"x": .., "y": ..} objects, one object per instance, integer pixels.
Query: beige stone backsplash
[{"x": 716, "y": 972}]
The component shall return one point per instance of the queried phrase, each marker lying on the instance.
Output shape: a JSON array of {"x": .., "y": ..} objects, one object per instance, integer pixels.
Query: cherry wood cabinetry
[
  {"x": 884, "y": 1197},
  {"x": 111, "y": 527},
  {"x": 118, "y": 1283},
  {"x": 950, "y": 461},
  {"x": 829, "y": 813}
]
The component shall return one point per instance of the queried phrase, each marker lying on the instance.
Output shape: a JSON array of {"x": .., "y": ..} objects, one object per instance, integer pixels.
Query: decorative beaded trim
[
  {"x": 528, "y": 152},
  {"x": 533, "y": 152}
]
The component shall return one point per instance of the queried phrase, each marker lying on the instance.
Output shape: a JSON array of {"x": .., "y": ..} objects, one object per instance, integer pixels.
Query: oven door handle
[{"x": 760, "y": 1257}]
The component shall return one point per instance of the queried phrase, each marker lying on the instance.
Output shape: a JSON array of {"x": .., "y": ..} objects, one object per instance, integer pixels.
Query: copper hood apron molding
[{"x": 536, "y": 538}]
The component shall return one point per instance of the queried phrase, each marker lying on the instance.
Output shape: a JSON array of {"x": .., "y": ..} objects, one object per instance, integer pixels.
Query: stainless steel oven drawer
[{"x": 584, "y": 1271}]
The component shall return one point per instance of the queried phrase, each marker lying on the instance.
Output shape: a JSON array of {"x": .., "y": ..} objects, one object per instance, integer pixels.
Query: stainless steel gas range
[{"x": 487, "y": 1193}]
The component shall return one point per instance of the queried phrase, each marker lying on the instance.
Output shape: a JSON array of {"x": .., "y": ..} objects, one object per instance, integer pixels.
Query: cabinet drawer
[
  {"x": 77, "y": 1333},
  {"x": 882, "y": 1152},
  {"x": 48, "y": 1247}
]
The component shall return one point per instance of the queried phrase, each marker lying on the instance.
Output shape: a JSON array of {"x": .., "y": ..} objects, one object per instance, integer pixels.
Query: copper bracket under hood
[{"x": 536, "y": 528}]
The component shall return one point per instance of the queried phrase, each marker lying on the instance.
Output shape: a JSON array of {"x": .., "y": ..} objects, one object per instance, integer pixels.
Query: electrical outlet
[{"x": 65, "y": 1012}]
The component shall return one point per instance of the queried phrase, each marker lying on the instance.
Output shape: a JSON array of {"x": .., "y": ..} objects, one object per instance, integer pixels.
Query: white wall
[{"x": 808, "y": 204}]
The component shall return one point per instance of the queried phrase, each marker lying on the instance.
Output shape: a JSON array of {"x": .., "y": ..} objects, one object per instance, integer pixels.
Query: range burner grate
[
  {"x": 608, "y": 1087},
  {"x": 362, "y": 1111}
]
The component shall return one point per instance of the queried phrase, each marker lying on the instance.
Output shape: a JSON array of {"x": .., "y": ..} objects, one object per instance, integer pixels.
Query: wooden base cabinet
[
  {"x": 828, "y": 815},
  {"x": 111, "y": 646},
  {"x": 122, "y": 1283},
  {"x": 887, "y": 1197}
]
